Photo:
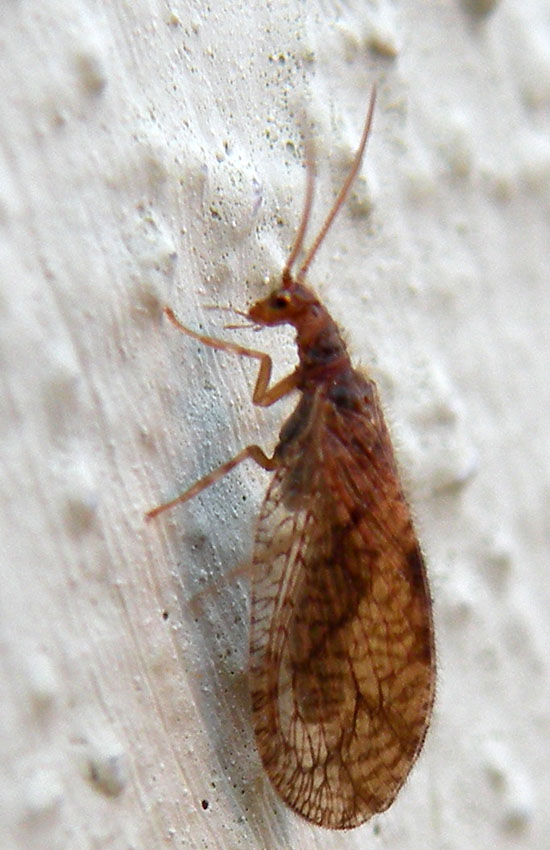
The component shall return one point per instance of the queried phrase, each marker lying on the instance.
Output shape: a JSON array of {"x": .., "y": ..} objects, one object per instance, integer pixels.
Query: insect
[{"x": 341, "y": 640}]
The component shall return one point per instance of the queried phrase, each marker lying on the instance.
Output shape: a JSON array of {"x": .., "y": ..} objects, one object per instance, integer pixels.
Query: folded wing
[{"x": 342, "y": 661}]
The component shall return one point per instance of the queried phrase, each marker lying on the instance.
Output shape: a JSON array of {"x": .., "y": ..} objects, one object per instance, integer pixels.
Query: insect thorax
[{"x": 322, "y": 352}]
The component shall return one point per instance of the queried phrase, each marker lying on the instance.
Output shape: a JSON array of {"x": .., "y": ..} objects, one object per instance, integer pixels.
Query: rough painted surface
[{"x": 152, "y": 154}]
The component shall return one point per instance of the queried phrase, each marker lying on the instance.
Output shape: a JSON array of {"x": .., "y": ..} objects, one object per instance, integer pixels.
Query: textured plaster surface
[{"x": 151, "y": 153}]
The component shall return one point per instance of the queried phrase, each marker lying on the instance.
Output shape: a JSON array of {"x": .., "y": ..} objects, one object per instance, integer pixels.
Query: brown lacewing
[{"x": 342, "y": 661}]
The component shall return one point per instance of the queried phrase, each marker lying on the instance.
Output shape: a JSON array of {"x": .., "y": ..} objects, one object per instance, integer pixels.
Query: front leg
[{"x": 263, "y": 394}]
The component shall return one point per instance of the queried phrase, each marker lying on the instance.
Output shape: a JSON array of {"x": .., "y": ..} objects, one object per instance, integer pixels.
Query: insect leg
[
  {"x": 263, "y": 395},
  {"x": 253, "y": 452}
]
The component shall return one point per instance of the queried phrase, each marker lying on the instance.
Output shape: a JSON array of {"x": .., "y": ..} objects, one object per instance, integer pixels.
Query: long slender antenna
[
  {"x": 337, "y": 203},
  {"x": 298, "y": 241}
]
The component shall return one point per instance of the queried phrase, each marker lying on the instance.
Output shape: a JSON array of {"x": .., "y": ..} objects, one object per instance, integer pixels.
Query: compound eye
[{"x": 280, "y": 301}]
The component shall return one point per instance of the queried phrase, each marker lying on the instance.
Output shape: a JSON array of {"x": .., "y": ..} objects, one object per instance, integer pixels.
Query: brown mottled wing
[{"x": 342, "y": 659}]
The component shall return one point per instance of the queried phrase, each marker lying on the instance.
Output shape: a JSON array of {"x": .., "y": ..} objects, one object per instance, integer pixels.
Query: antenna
[
  {"x": 298, "y": 241},
  {"x": 335, "y": 207}
]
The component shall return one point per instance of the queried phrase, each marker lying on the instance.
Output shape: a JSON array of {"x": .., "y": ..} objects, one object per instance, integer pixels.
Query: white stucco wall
[{"x": 150, "y": 153}]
